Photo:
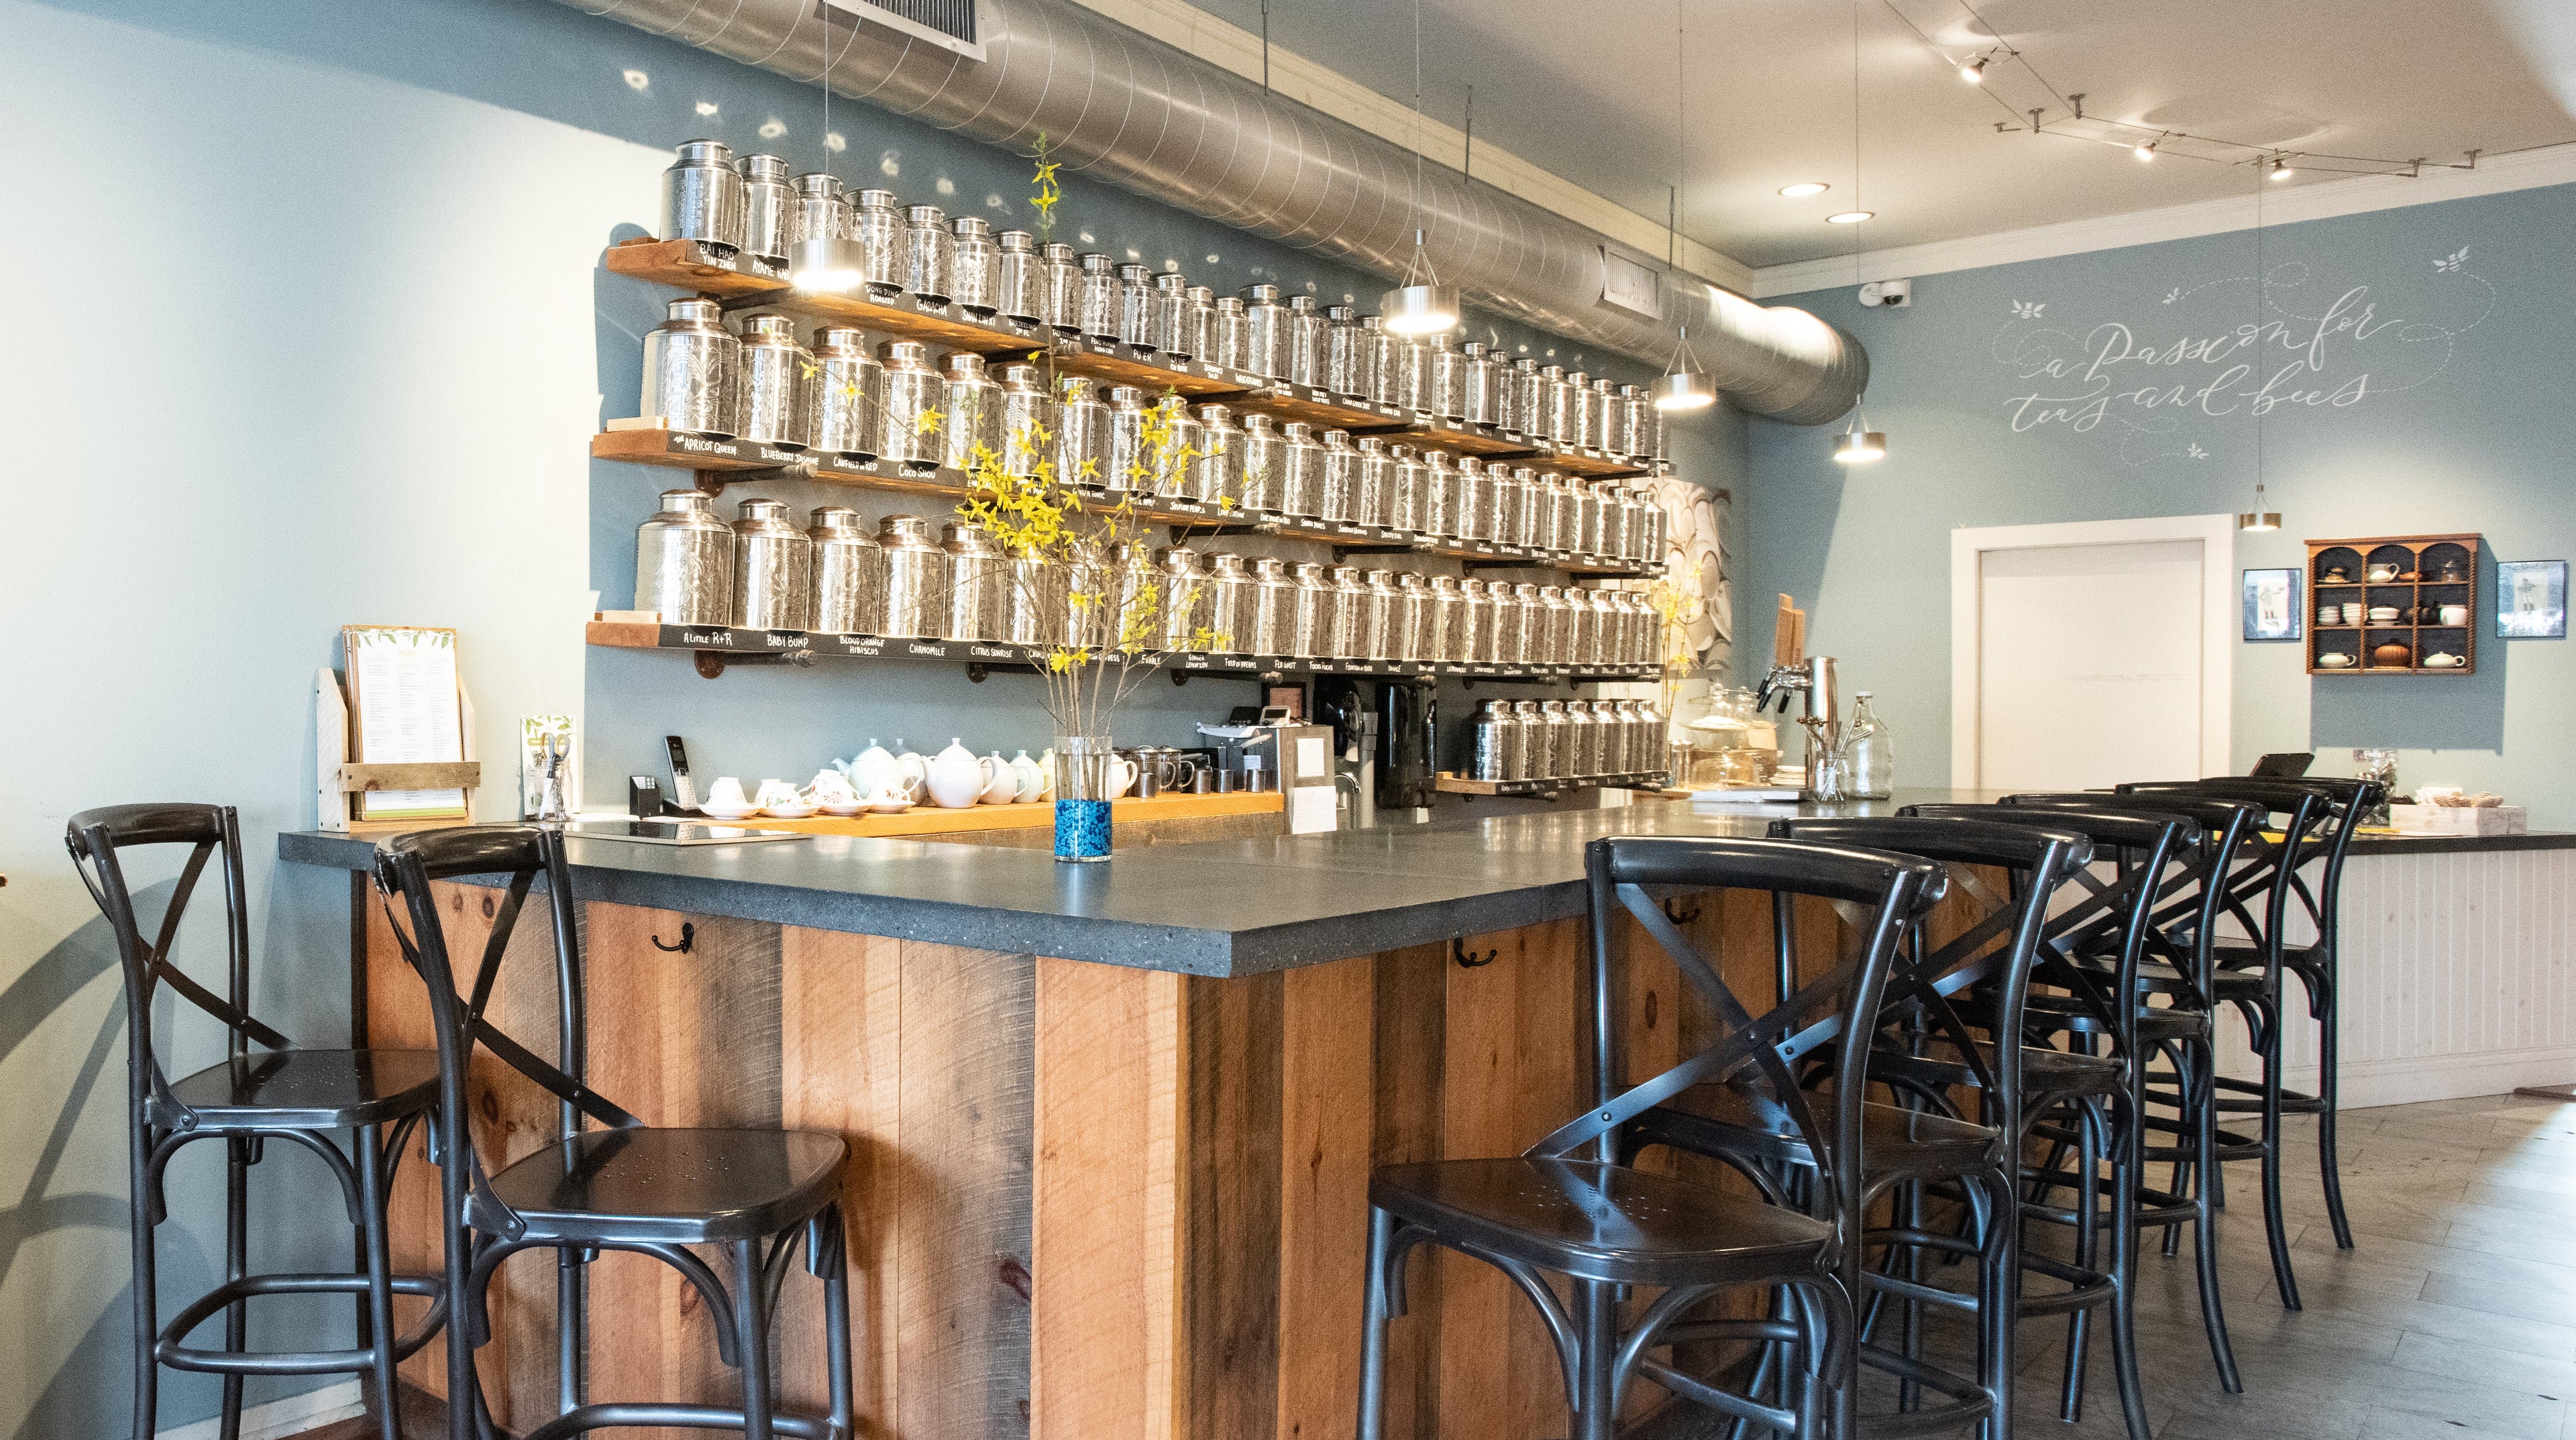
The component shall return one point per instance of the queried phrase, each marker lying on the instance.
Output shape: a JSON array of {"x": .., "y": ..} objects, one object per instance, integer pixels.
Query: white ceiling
[{"x": 1587, "y": 90}]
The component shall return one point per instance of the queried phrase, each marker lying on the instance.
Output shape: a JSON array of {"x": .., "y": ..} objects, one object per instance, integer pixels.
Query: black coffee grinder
[{"x": 1407, "y": 747}]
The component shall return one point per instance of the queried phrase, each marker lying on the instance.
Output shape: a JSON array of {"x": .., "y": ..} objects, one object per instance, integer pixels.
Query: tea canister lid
[
  {"x": 762, "y": 167},
  {"x": 1201, "y": 293},
  {"x": 1308, "y": 570},
  {"x": 1126, "y": 397},
  {"x": 836, "y": 518},
  {"x": 770, "y": 327},
  {"x": 1369, "y": 444},
  {"x": 962, "y": 363},
  {"x": 1022, "y": 377},
  {"x": 1171, "y": 282},
  {"x": 695, "y": 307},
  {"x": 1261, "y": 294},
  {"x": 1230, "y": 304},
  {"x": 971, "y": 226},
  {"x": 1476, "y": 347},
  {"x": 1298, "y": 432},
  {"x": 1527, "y": 365},
  {"x": 1444, "y": 585},
  {"x": 1258, "y": 423},
  {"x": 1336, "y": 439},
  {"x": 1270, "y": 567},
  {"x": 1095, "y": 263},
  {"x": 1302, "y": 304},
  {"x": 876, "y": 199},
  {"x": 906, "y": 354},
  {"x": 760, "y": 511},
  {"x": 1411, "y": 581},
  {"x": 1342, "y": 314},
  {"x": 818, "y": 182},
  {"x": 714, "y": 152},
  {"x": 688, "y": 502},
  {"x": 841, "y": 340},
  {"x": 926, "y": 216},
  {"x": 1134, "y": 273},
  {"x": 967, "y": 537},
  {"x": 905, "y": 530},
  {"x": 1226, "y": 564},
  {"x": 1214, "y": 415},
  {"x": 1347, "y": 575},
  {"x": 1606, "y": 385},
  {"x": 1179, "y": 559},
  {"x": 1058, "y": 250}
]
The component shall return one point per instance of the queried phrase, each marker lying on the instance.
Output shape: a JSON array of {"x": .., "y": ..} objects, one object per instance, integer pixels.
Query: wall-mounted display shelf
[
  {"x": 741, "y": 283},
  {"x": 2389, "y": 594},
  {"x": 717, "y": 646},
  {"x": 722, "y": 462}
]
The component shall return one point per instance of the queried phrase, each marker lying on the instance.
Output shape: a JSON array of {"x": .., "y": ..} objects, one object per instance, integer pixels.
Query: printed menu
[{"x": 403, "y": 711}]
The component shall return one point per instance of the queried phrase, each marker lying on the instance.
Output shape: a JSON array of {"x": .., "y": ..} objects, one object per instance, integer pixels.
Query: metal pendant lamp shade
[
  {"x": 1683, "y": 389},
  {"x": 1419, "y": 309},
  {"x": 2258, "y": 518},
  {"x": 1858, "y": 446},
  {"x": 830, "y": 264}
]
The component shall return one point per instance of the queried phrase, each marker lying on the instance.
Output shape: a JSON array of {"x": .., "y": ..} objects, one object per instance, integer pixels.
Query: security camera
[{"x": 1899, "y": 293}]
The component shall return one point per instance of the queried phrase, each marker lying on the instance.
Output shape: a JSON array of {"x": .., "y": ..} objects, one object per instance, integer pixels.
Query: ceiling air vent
[{"x": 948, "y": 24}]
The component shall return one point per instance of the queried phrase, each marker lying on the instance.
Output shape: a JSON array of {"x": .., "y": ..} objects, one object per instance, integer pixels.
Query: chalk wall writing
[{"x": 2182, "y": 382}]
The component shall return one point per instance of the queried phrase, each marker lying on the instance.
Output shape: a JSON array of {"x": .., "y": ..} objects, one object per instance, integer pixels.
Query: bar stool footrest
[
  {"x": 621, "y": 1414},
  {"x": 168, "y": 1351}
]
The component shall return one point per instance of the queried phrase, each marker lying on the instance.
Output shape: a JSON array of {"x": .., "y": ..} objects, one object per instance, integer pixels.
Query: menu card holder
[{"x": 342, "y": 783}]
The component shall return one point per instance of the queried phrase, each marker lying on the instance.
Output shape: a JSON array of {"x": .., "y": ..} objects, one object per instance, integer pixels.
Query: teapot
[
  {"x": 1001, "y": 786},
  {"x": 957, "y": 777},
  {"x": 912, "y": 773},
  {"x": 873, "y": 771},
  {"x": 1028, "y": 778}
]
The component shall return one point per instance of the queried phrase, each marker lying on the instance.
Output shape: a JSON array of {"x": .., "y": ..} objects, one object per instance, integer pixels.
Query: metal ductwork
[{"x": 1140, "y": 114}]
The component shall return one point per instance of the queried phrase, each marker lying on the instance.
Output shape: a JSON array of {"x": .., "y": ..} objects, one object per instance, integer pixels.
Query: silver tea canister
[
  {"x": 1534, "y": 508},
  {"x": 1548, "y": 627},
  {"x": 1096, "y": 301},
  {"x": 1230, "y": 334},
  {"x": 1084, "y": 626},
  {"x": 1217, "y": 473},
  {"x": 1521, "y": 626},
  {"x": 772, "y": 569},
  {"x": 693, "y": 371},
  {"x": 684, "y": 561},
  {"x": 929, "y": 254},
  {"x": 1273, "y": 608},
  {"x": 1385, "y": 380},
  {"x": 1476, "y": 386},
  {"x": 1173, "y": 462},
  {"x": 1509, "y": 491},
  {"x": 1448, "y": 379},
  {"x": 1476, "y": 491},
  {"x": 1198, "y": 324},
  {"x": 1497, "y": 749},
  {"x": 1556, "y": 741},
  {"x": 1258, "y": 491},
  {"x": 1265, "y": 332},
  {"x": 1337, "y": 493},
  {"x": 1184, "y": 597},
  {"x": 815, "y": 209},
  {"x": 1585, "y": 538},
  {"x": 975, "y": 581},
  {"x": 1063, "y": 295},
  {"x": 764, "y": 206},
  {"x": 1475, "y": 642},
  {"x": 1306, "y": 329},
  {"x": 1437, "y": 514},
  {"x": 1579, "y": 412},
  {"x": 1376, "y": 638},
  {"x": 1373, "y": 496},
  {"x": 1582, "y": 627},
  {"x": 974, "y": 404},
  {"x": 1171, "y": 308},
  {"x": 1412, "y": 618},
  {"x": 1636, "y": 421},
  {"x": 912, "y": 426},
  {"x": 1528, "y": 408},
  {"x": 1407, "y": 482},
  {"x": 702, "y": 198},
  {"x": 1124, "y": 465},
  {"x": 1622, "y": 522},
  {"x": 1605, "y": 410},
  {"x": 1019, "y": 280},
  {"x": 1081, "y": 435},
  {"x": 1556, "y": 407},
  {"x": 1029, "y": 600},
  {"x": 1343, "y": 629},
  {"x": 1301, "y": 472},
  {"x": 1554, "y": 506},
  {"x": 1229, "y": 605},
  {"x": 1311, "y": 628},
  {"x": 975, "y": 266},
  {"x": 1136, "y": 306},
  {"x": 1413, "y": 375},
  {"x": 1507, "y": 393},
  {"x": 916, "y": 588},
  {"x": 1345, "y": 372},
  {"x": 1029, "y": 428},
  {"x": 1135, "y": 616},
  {"x": 1610, "y": 624},
  {"x": 852, "y": 389},
  {"x": 849, "y": 573},
  {"x": 1582, "y": 740},
  {"x": 876, "y": 223},
  {"x": 778, "y": 385},
  {"x": 1444, "y": 626}
]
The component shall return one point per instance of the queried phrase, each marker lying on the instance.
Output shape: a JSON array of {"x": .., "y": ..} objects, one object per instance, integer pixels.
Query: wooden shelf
[
  {"x": 745, "y": 284},
  {"x": 718, "y": 646},
  {"x": 721, "y": 462},
  {"x": 934, "y": 820},
  {"x": 2413, "y": 554}
]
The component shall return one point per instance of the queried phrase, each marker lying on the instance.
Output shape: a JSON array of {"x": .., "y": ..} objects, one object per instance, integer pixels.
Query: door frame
[{"x": 2217, "y": 537}]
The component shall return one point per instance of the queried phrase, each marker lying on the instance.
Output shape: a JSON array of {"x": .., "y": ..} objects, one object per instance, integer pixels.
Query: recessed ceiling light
[
  {"x": 1804, "y": 188},
  {"x": 1849, "y": 217}
]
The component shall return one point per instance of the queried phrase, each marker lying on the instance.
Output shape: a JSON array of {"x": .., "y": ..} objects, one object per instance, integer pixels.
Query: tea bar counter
[{"x": 1112, "y": 1125}]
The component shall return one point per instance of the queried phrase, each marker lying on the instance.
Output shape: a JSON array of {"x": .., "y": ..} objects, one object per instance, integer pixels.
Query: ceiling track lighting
[
  {"x": 2281, "y": 169},
  {"x": 2146, "y": 151},
  {"x": 1974, "y": 72}
]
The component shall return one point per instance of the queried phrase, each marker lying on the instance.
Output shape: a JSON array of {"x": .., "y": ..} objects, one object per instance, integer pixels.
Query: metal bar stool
[
  {"x": 2109, "y": 919},
  {"x": 1925, "y": 1140},
  {"x": 757, "y": 1194},
  {"x": 1605, "y": 1227},
  {"x": 280, "y": 1093},
  {"x": 2319, "y": 816}
]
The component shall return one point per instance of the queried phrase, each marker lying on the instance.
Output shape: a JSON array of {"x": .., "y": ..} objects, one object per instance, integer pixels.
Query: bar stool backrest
[
  {"x": 1880, "y": 895},
  {"x": 1994, "y": 952},
  {"x": 406, "y": 867},
  {"x": 2318, "y": 816},
  {"x": 96, "y": 839},
  {"x": 2190, "y": 906}
]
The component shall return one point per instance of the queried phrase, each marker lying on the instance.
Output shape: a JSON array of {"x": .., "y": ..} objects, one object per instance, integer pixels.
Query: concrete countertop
[{"x": 1219, "y": 908}]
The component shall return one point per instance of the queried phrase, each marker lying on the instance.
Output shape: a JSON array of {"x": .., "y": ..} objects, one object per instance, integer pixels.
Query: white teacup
[
  {"x": 774, "y": 792},
  {"x": 2455, "y": 614},
  {"x": 726, "y": 793}
]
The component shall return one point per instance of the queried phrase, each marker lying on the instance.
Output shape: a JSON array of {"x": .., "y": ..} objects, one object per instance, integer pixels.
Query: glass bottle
[{"x": 1869, "y": 764}]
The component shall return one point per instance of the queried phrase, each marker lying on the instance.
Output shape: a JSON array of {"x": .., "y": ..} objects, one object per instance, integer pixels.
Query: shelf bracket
[{"x": 711, "y": 482}]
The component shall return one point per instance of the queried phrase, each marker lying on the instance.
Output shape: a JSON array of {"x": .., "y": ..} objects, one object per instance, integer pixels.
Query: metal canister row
[
  {"x": 1565, "y": 739},
  {"x": 750, "y": 205},
  {"x": 833, "y": 577}
]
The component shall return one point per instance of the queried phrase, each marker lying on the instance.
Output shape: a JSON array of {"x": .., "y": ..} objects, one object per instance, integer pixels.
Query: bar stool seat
[
  {"x": 2044, "y": 1071},
  {"x": 676, "y": 1187},
  {"x": 310, "y": 1089},
  {"x": 1896, "y": 1143},
  {"x": 1600, "y": 1221}
]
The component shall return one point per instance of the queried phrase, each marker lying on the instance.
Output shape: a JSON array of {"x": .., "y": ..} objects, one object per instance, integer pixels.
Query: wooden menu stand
[{"x": 339, "y": 780}]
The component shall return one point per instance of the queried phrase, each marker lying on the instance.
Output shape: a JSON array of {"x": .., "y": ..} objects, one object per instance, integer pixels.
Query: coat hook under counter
[
  {"x": 688, "y": 940},
  {"x": 1677, "y": 915},
  {"x": 1468, "y": 959}
]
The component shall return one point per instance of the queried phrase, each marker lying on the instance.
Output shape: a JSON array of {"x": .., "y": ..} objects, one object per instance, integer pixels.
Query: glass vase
[{"x": 1085, "y": 780}]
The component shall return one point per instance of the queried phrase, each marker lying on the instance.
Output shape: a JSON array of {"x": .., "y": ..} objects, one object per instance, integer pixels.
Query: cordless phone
[{"x": 684, "y": 792}]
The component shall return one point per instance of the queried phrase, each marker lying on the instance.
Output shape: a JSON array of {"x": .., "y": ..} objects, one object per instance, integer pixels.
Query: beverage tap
[{"x": 1814, "y": 677}]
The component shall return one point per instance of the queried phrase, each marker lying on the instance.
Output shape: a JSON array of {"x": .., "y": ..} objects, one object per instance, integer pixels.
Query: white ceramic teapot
[
  {"x": 912, "y": 773},
  {"x": 1029, "y": 778},
  {"x": 1001, "y": 786},
  {"x": 872, "y": 772},
  {"x": 958, "y": 777}
]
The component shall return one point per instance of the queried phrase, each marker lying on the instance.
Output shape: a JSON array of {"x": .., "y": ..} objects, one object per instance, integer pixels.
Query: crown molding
[
  {"x": 2524, "y": 170},
  {"x": 1295, "y": 77}
]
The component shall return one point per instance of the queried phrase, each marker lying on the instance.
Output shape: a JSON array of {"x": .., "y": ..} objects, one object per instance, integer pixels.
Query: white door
[{"x": 2091, "y": 658}]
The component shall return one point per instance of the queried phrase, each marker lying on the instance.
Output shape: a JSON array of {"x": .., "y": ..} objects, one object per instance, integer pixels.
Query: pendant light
[
  {"x": 1421, "y": 305},
  {"x": 1681, "y": 387},
  {"x": 827, "y": 264},
  {"x": 1858, "y": 444},
  {"x": 2258, "y": 519}
]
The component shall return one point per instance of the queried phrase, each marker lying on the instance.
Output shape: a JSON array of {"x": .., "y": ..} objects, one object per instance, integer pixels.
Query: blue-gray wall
[
  {"x": 2435, "y": 401},
  {"x": 319, "y": 337}
]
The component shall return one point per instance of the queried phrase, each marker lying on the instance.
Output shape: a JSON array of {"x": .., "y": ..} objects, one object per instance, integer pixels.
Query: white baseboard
[
  {"x": 2442, "y": 1077},
  {"x": 279, "y": 1418}
]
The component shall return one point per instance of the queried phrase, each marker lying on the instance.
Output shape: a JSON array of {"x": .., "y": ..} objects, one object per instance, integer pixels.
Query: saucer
[
  {"x": 714, "y": 811},
  {"x": 890, "y": 807},
  {"x": 846, "y": 808},
  {"x": 795, "y": 810}
]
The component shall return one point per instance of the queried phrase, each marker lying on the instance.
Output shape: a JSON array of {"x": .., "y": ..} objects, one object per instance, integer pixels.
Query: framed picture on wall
[
  {"x": 2272, "y": 608},
  {"x": 2531, "y": 600}
]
